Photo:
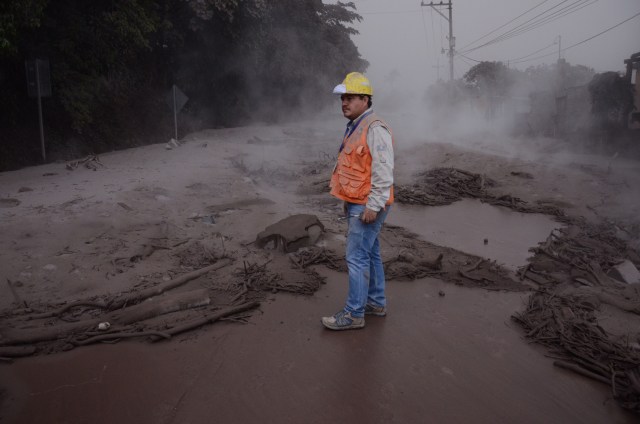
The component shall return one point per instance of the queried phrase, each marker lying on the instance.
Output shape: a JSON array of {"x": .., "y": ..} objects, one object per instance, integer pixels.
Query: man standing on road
[{"x": 363, "y": 179}]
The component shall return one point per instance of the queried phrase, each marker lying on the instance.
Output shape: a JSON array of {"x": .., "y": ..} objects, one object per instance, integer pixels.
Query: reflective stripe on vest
[{"x": 351, "y": 178}]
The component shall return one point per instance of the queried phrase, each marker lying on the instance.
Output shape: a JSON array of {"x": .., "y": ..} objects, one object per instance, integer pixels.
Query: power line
[
  {"x": 502, "y": 26},
  {"x": 469, "y": 58},
  {"x": 433, "y": 34},
  {"x": 600, "y": 33},
  {"x": 523, "y": 59},
  {"x": 583, "y": 41},
  {"x": 493, "y": 40},
  {"x": 467, "y": 63},
  {"x": 441, "y": 36},
  {"x": 510, "y": 60},
  {"x": 533, "y": 23},
  {"x": 537, "y": 51},
  {"x": 463, "y": 60},
  {"x": 540, "y": 19},
  {"x": 524, "y": 25},
  {"x": 435, "y": 49},
  {"x": 424, "y": 28},
  {"x": 528, "y": 25}
]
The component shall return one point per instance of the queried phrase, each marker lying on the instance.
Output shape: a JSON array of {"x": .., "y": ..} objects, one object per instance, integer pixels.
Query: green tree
[
  {"x": 557, "y": 76},
  {"x": 16, "y": 16},
  {"x": 113, "y": 61},
  {"x": 265, "y": 58},
  {"x": 490, "y": 78},
  {"x": 98, "y": 50}
]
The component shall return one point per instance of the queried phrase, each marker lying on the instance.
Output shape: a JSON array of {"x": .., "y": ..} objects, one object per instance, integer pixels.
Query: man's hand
[{"x": 368, "y": 216}]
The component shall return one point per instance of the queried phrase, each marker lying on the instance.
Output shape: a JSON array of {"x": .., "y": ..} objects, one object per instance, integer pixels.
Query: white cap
[{"x": 340, "y": 89}]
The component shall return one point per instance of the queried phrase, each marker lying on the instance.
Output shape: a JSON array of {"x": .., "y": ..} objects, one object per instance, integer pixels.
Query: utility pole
[
  {"x": 559, "y": 47},
  {"x": 452, "y": 40},
  {"x": 438, "y": 66},
  {"x": 561, "y": 94}
]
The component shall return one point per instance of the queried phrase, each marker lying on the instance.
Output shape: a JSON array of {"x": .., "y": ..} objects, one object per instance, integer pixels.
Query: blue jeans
[{"x": 366, "y": 273}]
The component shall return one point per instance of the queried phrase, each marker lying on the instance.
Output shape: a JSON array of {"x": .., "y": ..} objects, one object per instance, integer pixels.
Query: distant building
[{"x": 631, "y": 76}]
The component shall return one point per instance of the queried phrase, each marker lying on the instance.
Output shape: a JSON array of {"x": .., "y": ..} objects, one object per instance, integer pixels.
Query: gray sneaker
[
  {"x": 342, "y": 321},
  {"x": 379, "y": 311}
]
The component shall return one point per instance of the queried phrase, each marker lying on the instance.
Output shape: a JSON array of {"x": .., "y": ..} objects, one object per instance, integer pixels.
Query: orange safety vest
[{"x": 351, "y": 178}]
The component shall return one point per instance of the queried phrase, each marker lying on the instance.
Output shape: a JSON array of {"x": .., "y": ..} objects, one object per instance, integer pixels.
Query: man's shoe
[
  {"x": 342, "y": 321},
  {"x": 378, "y": 311}
]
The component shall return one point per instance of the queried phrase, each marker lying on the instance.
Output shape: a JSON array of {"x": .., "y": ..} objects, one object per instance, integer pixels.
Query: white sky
[{"x": 402, "y": 35}]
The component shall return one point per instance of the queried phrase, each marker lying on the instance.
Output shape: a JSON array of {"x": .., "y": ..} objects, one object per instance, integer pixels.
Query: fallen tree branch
[
  {"x": 17, "y": 351},
  {"x": 176, "y": 282},
  {"x": 65, "y": 308},
  {"x": 160, "y": 306},
  {"x": 115, "y": 336},
  {"x": 210, "y": 318},
  {"x": 578, "y": 369},
  {"x": 613, "y": 299},
  {"x": 18, "y": 336},
  {"x": 125, "y": 316}
]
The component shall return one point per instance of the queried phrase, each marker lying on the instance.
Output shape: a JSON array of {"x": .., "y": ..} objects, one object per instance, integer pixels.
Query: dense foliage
[
  {"x": 114, "y": 61},
  {"x": 495, "y": 78},
  {"x": 611, "y": 101},
  {"x": 490, "y": 78}
]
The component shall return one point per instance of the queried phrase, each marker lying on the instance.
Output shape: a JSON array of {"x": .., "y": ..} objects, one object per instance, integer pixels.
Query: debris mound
[
  {"x": 90, "y": 162},
  {"x": 291, "y": 233},
  {"x": 259, "y": 278},
  {"x": 569, "y": 329},
  {"x": 443, "y": 186},
  {"x": 571, "y": 267},
  {"x": 580, "y": 253},
  {"x": 318, "y": 256}
]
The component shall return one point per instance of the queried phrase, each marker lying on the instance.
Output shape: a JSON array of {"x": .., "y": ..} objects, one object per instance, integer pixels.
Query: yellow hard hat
[{"x": 354, "y": 83}]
